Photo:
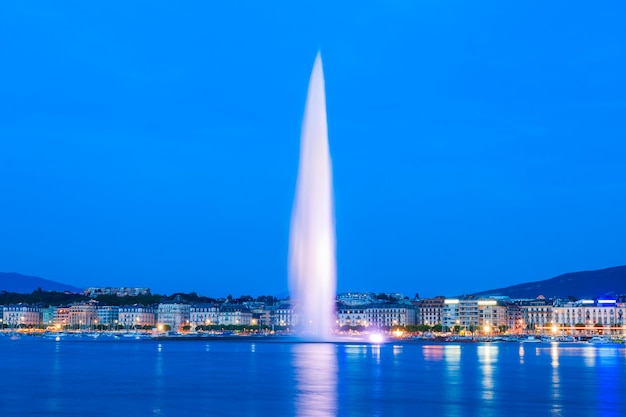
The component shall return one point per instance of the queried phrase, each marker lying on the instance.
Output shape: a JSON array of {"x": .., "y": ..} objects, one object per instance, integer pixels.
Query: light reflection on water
[
  {"x": 452, "y": 355},
  {"x": 589, "y": 353},
  {"x": 556, "y": 381},
  {"x": 554, "y": 353},
  {"x": 298, "y": 379},
  {"x": 487, "y": 356},
  {"x": 376, "y": 353},
  {"x": 453, "y": 395},
  {"x": 433, "y": 352},
  {"x": 55, "y": 379},
  {"x": 397, "y": 349},
  {"x": 157, "y": 406},
  {"x": 315, "y": 367}
]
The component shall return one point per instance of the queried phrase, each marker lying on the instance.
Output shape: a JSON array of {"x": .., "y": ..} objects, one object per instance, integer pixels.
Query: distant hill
[
  {"x": 25, "y": 284},
  {"x": 584, "y": 284}
]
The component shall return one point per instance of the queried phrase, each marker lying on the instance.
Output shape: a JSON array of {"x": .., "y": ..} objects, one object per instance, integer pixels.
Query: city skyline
[{"x": 467, "y": 148}]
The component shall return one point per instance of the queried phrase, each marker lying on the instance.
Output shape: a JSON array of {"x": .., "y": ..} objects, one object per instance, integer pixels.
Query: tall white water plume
[{"x": 312, "y": 276}]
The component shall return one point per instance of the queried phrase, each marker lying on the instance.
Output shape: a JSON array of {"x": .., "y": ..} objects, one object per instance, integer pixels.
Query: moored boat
[
  {"x": 530, "y": 339},
  {"x": 598, "y": 340}
]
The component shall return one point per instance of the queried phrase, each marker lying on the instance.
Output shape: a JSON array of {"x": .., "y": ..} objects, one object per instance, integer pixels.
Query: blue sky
[{"x": 474, "y": 144}]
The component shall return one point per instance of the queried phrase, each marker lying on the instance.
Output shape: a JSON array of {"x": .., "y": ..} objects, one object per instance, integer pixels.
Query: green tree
[{"x": 424, "y": 328}]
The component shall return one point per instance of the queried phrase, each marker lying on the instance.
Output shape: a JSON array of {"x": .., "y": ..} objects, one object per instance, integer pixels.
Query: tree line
[{"x": 56, "y": 298}]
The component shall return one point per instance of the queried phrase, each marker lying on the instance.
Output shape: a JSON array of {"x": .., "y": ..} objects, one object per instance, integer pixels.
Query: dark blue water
[{"x": 247, "y": 378}]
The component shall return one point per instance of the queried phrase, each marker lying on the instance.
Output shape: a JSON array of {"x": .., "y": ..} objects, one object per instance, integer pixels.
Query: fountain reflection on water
[
  {"x": 312, "y": 240},
  {"x": 315, "y": 366}
]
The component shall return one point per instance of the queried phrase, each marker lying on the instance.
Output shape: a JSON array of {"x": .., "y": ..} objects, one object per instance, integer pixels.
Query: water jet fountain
[{"x": 312, "y": 275}]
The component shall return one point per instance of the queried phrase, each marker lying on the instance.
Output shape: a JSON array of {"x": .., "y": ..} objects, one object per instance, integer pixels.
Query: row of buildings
[
  {"x": 485, "y": 314},
  {"x": 354, "y": 311},
  {"x": 174, "y": 315}
]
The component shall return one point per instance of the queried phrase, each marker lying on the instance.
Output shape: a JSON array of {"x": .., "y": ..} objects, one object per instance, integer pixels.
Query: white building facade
[
  {"x": 176, "y": 315},
  {"x": 380, "y": 315},
  {"x": 203, "y": 315},
  {"x": 537, "y": 313},
  {"x": 234, "y": 314},
  {"x": 492, "y": 316},
  {"x": 82, "y": 315},
  {"x": 606, "y": 315},
  {"x": 137, "y": 316},
  {"x": 21, "y": 315}
]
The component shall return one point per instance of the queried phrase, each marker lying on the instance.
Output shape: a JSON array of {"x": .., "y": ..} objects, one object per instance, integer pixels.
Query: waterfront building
[
  {"x": 386, "y": 315},
  {"x": 352, "y": 315},
  {"x": 175, "y": 314},
  {"x": 450, "y": 313},
  {"x": 492, "y": 315},
  {"x": 21, "y": 315},
  {"x": 137, "y": 316},
  {"x": 234, "y": 314},
  {"x": 537, "y": 313},
  {"x": 469, "y": 316},
  {"x": 620, "y": 312},
  {"x": 282, "y": 315},
  {"x": 62, "y": 318},
  {"x": 49, "y": 316},
  {"x": 514, "y": 318},
  {"x": 431, "y": 310},
  {"x": 590, "y": 316},
  {"x": 263, "y": 316},
  {"x": 108, "y": 316},
  {"x": 572, "y": 313},
  {"x": 260, "y": 314},
  {"x": 83, "y": 315},
  {"x": 203, "y": 315},
  {"x": 485, "y": 315}
]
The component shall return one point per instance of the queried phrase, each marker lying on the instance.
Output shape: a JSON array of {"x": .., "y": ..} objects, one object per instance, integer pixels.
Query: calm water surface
[{"x": 251, "y": 378}]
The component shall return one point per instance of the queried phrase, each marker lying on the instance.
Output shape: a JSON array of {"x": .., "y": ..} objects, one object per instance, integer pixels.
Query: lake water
[{"x": 254, "y": 378}]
